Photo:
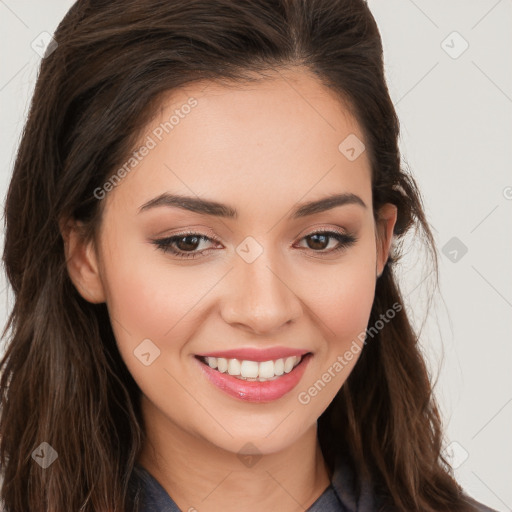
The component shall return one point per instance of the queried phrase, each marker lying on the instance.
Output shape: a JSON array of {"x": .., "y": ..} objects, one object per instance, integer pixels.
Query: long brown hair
[{"x": 63, "y": 381}]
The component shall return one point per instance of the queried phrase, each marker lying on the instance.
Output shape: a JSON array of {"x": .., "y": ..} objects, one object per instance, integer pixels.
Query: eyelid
[
  {"x": 323, "y": 227},
  {"x": 210, "y": 234},
  {"x": 192, "y": 230},
  {"x": 165, "y": 243}
]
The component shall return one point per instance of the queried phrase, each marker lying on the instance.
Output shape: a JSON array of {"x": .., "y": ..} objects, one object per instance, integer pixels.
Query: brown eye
[
  {"x": 320, "y": 240},
  {"x": 184, "y": 245},
  {"x": 187, "y": 243}
]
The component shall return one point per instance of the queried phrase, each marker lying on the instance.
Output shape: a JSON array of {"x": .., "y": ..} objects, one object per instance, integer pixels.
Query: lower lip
[{"x": 255, "y": 391}]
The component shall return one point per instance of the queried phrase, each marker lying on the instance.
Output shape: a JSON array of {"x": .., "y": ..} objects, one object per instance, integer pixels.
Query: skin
[{"x": 262, "y": 149}]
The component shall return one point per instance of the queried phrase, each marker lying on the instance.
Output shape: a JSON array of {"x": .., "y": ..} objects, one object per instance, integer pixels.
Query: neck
[{"x": 199, "y": 475}]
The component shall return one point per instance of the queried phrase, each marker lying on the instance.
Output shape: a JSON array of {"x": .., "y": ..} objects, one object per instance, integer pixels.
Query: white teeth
[
  {"x": 222, "y": 364},
  {"x": 253, "y": 370},
  {"x": 266, "y": 369},
  {"x": 279, "y": 367},
  {"x": 234, "y": 367},
  {"x": 250, "y": 369},
  {"x": 288, "y": 364}
]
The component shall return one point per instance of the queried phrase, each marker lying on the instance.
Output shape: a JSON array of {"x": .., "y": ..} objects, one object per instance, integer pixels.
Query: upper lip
[{"x": 256, "y": 354}]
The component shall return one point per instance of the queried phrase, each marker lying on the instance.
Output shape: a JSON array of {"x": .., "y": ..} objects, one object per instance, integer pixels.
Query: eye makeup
[{"x": 192, "y": 239}]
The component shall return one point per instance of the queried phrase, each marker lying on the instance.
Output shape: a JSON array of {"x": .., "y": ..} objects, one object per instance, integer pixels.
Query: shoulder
[
  {"x": 359, "y": 495},
  {"x": 480, "y": 507},
  {"x": 147, "y": 494}
]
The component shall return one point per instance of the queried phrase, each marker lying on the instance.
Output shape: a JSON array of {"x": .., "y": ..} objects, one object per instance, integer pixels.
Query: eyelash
[{"x": 165, "y": 244}]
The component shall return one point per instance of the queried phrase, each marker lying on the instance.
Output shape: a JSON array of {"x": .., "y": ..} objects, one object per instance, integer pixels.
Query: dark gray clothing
[{"x": 339, "y": 496}]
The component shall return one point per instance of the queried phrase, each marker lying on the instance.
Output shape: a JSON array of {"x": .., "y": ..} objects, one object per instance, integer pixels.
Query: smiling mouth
[{"x": 253, "y": 371}]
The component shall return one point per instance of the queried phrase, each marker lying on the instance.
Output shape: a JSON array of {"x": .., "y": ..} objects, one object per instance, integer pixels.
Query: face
[{"x": 243, "y": 276}]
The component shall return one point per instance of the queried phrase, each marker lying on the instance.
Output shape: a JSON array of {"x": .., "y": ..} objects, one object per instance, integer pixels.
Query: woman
[{"x": 202, "y": 227}]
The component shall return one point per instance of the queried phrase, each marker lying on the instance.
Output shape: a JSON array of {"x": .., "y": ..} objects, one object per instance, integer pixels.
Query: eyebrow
[{"x": 214, "y": 208}]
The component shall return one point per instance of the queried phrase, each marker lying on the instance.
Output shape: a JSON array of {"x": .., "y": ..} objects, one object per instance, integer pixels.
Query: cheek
[
  {"x": 146, "y": 298},
  {"x": 149, "y": 301},
  {"x": 344, "y": 296},
  {"x": 144, "y": 304},
  {"x": 343, "y": 311},
  {"x": 350, "y": 309}
]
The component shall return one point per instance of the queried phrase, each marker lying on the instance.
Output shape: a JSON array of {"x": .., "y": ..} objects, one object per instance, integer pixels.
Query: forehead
[
  {"x": 285, "y": 102},
  {"x": 278, "y": 137}
]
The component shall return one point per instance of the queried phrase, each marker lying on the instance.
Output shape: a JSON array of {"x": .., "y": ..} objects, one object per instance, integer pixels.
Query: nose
[{"x": 260, "y": 296}]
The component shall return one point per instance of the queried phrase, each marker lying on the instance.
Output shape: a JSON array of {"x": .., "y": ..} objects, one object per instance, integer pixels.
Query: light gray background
[{"x": 455, "y": 115}]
